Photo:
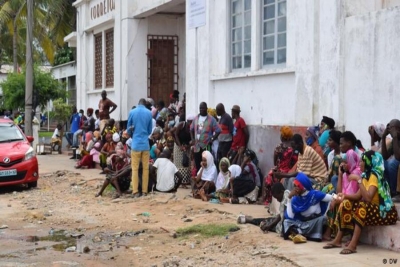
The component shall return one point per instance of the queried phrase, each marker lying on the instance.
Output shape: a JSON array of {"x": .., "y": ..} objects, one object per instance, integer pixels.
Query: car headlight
[{"x": 29, "y": 154}]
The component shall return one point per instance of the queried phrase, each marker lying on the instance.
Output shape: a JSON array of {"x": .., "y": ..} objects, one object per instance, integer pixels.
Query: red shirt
[{"x": 239, "y": 138}]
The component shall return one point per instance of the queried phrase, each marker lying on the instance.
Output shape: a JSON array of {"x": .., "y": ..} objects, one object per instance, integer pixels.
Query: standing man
[
  {"x": 104, "y": 109},
  {"x": 240, "y": 137},
  {"x": 203, "y": 131},
  {"x": 391, "y": 155},
  {"x": 140, "y": 124},
  {"x": 225, "y": 137},
  {"x": 74, "y": 122}
]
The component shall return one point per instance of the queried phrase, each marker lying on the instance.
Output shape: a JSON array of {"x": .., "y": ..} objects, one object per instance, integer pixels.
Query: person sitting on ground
[
  {"x": 222, "y": 184},
  {"x": 312, "y": 141},
  {"x": 120, "y": 179},
  {"x": 206, "y": 176},
  {"x": 305, "y": 213},
  {"x": 107, "y": 150},
  {"x": 391, "y": 155},
  {"x": 308, "y": 162},
  {"x": 285, "y": 160},
  {"x": 87, "y": 145},
  {"x": 246, "y": 186},
  {"x": 93, "y": 157},
  {"x": 334, "y": 160},
  {"x": 164, "y": 173},
  {"x": 127, "y": 142},
  {"x": 56, "y": 139},
  {"x": 110, "y": 128},
  {"x": 371, "y": 205},
  {"x": 376, "y": 131},
  {"x": 159, "y": 143},
  {"x": 326, "y": 126},
  {"x": 349, "y": 172}
]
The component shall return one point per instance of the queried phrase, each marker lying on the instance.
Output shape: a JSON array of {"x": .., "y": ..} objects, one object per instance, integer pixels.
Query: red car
[{"x": 18, "y": 162}]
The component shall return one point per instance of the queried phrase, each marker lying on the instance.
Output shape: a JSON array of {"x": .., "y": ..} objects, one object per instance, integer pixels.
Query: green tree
[
  {"x": 53, "y": 20},
  {"x": 63, "y": 55},
  {"x": 61, "y": 111},
  {"x": 45, "y": 88}
]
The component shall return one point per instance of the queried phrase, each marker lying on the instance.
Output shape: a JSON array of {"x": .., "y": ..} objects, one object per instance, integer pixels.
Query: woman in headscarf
[
  {"x": 327, "y": 124},
  {"x": 206, "y": 176},
  {"x": 284, "y": 159},
  {"x": 376, "y": 131},
  {"x": 93, "y": 147},
  {"x": 222, "y": 184},
  {"x": 305, "y": 213},
  {"x": 371, "y": 205},
  {"x": 349, "y": 172},
  {"x": 182, "y": 148},
  {"x": 87, "y": 144},
  {"x": 312, "y": 141},
  {"x": 159, "y": 143}
]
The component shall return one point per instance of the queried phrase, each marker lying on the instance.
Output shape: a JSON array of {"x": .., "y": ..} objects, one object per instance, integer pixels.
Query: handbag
[{"x": 185, "y": 160}]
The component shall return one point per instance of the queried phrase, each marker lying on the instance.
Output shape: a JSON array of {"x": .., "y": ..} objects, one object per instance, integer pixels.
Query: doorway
[{"x": 162, "y": 66}]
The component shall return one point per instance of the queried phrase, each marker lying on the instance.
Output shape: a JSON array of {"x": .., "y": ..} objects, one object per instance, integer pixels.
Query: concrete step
[{"x": 387, "y": 237}]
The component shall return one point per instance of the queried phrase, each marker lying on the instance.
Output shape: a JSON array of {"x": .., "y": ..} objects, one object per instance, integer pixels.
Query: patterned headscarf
[
  {"x": 212, "y": 112},
  {"x": 379, "y": 128},
  {"x": 373, "y": 162},
  {"x": 314, "y": 131}
]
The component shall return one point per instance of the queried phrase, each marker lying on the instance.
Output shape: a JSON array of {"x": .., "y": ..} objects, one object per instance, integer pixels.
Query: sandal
[
  {"x": 299, "y": 239},
  {"x": 97, "y": 195},
  {"x": 330, "y": 245},
  {"x": 347, "y": 251}
]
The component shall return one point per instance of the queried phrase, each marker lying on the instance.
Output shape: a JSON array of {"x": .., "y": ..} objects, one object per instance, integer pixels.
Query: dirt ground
[
  {"x": 38, "y": 227},
  {"x": 62, "y": 214}
]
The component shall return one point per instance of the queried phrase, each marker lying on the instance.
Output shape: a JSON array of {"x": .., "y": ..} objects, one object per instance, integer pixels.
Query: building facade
[{"x": 284, "y": 62}]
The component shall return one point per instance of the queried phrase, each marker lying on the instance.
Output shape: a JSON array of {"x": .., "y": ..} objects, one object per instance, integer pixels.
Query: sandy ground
[{"x": 106, "y": 232}]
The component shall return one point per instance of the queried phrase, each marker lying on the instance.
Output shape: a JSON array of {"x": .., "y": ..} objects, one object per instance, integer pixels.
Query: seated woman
[
  {"x": 94, "y": 148},
  {"x": 120, "y": 179},
  {"x": 206, "y": 176},
  {"x": 285, "y": 160},
  {"x": 56, "y": 139},
  {"x": 159, "y": 143},
  {"x": 222, "y": 185},
  {"x": 371, "y": 205},
  {"x": 349, "y": 173},
  {"x": 305, "y": 213},
  {"x": 311, "y": 137},
  {"x": 327, "y": 124},
  {"x": 334, "y": 160},
  {"x": 107, "y": 150},
  {"x": 87, "y": 144}
]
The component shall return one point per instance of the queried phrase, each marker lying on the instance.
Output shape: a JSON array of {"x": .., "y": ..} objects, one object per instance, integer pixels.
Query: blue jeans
[
  {"x": 391, "y": 168},
  {"x": 68, "y": 136},
  {"x": 75, "y": 138}
]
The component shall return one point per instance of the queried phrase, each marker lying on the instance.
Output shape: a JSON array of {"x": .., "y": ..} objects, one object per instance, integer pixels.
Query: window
[
  {"x": 240, "y": 34},
  {"x": 274, "y": 32},
  {"x": 104, "y": 59}
]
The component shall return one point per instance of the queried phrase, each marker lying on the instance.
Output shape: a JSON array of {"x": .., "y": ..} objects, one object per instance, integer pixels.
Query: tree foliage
[
  {"x": 61, "y": 111},
  {"x": 63, "y": 55},
  {"x": 45, "y": 88}
]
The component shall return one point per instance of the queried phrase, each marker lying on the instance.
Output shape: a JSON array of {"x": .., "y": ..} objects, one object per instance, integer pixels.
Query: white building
[{"x": 284, "y": 62}]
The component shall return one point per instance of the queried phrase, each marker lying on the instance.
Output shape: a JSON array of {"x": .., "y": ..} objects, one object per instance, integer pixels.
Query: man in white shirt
[{"x": 165, "y": 174}]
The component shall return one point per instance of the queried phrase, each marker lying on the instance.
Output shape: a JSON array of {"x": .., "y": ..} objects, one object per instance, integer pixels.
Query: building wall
[{"x": 372, "y": 70}]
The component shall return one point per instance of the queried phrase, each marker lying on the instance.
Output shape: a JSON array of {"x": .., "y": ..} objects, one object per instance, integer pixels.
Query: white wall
[{"x": 372, "y": 70}]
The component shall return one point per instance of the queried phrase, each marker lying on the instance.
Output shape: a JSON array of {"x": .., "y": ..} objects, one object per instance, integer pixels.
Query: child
[{"x": 165, "y": 174}]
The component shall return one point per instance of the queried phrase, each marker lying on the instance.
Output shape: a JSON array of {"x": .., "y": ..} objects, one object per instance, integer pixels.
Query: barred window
[
  {"x": 98, "y": 61},
  {"x": 110, "y": 58},
  {"x": 104, "y": 59}
]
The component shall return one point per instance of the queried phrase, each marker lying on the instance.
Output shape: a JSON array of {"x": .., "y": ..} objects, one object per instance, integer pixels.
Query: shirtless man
[{"x": 104, "y": 109}]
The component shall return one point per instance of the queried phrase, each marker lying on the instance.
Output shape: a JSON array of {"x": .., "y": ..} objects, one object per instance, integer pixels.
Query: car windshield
[{"x": 9, "y": 133}]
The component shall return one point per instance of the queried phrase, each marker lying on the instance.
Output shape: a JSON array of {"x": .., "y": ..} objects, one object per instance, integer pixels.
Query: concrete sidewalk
[{"x": 309, "y": 254}]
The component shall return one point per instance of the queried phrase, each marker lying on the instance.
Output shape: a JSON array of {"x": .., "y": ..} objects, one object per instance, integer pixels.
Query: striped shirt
[{"x": 311, "y": 164}]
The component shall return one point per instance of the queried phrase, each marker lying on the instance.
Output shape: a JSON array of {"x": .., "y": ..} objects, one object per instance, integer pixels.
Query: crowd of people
[{"x": 327, "y": 184}]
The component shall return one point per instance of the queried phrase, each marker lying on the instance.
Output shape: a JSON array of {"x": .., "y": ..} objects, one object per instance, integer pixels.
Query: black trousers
[{"x": 223, "y": 149}]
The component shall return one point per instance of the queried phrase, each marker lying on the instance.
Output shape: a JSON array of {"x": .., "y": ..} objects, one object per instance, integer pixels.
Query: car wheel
[{"x": 32, "y": 185}]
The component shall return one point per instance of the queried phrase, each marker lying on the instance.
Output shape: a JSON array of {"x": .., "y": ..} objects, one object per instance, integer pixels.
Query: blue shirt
[
  {"x": 141, "y": 120},
  {"x": 75, "y": 122}
]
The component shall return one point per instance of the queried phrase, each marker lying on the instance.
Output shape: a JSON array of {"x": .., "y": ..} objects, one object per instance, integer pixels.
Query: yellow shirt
[{"x": 373, "y": 181}]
